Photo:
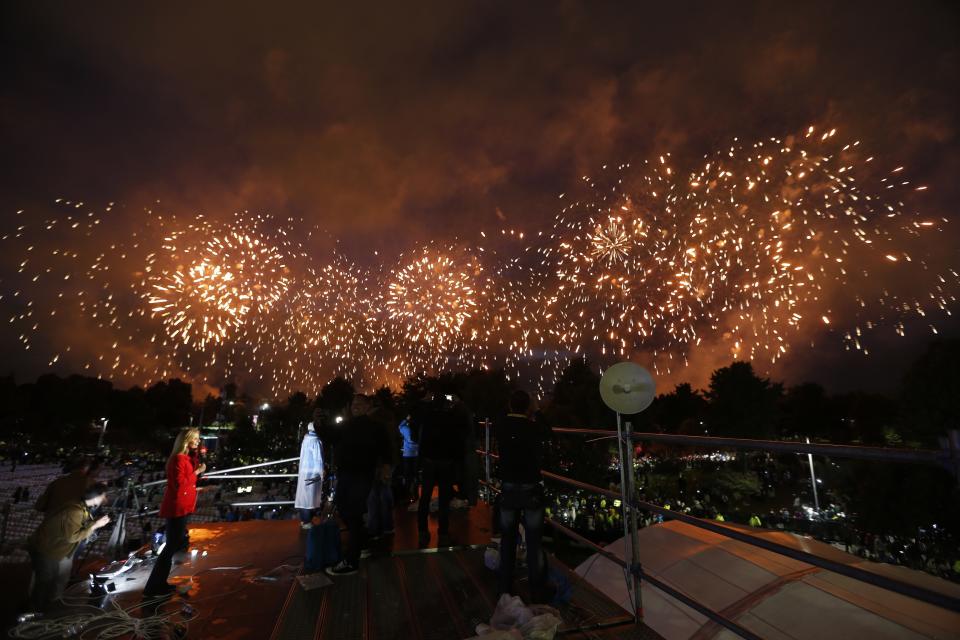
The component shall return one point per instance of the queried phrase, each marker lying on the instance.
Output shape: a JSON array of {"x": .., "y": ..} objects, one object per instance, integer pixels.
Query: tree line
[{"x": 736, "y": 403}]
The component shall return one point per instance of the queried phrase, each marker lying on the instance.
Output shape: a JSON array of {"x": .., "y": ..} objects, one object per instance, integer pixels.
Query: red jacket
[{"x": 180, "y": 496}]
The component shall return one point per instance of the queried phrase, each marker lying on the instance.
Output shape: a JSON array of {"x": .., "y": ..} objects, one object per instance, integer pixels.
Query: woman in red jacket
[{"x": 179, "y": 501}]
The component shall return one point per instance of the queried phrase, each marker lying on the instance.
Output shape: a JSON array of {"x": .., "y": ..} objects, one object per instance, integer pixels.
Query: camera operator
[{"x": 53, "y": 545}]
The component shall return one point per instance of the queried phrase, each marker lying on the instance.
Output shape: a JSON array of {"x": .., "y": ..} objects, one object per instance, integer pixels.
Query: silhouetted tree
[
  {"x": 807, "y": 412},
  {"x": 930, "y": 393},
  {"x": 679, "y": 411},
  {"x": 336, "y": 395},
  {"x": 171, "y": 402},
  {"x": 576, "y": 400},
  {"x": 385, "y": 398},
  {"x": 743, "y": 404},
  {"x": 864, "y": 417},
  {"x": 486, "y": 393}
]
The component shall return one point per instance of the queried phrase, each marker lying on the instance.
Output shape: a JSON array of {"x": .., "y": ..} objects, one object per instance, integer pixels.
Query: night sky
[{"x": 390, "y": 127}]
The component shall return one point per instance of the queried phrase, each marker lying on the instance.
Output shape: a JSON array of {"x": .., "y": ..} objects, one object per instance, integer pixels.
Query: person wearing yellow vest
[{"x": 55, "y": 541}]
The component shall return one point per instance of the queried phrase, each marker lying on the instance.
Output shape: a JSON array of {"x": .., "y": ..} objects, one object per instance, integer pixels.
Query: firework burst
[{"x": 761, "y": 248}]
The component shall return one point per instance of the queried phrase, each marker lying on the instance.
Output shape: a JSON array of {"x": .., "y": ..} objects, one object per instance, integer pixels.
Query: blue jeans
[{"x": 306, "y": 515}]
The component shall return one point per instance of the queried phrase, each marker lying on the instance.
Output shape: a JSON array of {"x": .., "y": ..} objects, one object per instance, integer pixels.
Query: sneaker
[
  {"x": 365, "y": 553},
  {"x": 304, "y": 526},
  {"x": 342, "y": 568}
]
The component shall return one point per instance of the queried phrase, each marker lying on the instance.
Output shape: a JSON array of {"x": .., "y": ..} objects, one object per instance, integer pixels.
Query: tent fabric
[{"x": 773, "y": 595}]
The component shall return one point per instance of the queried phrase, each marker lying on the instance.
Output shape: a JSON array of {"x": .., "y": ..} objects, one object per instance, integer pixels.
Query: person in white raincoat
[{"x": 309, "y": 478}]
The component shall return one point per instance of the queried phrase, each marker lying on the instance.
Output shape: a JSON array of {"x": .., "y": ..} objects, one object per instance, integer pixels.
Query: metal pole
[
  {"x": 813, "y": 480},
  {"x": 625, "y": 509},
  {"x": 624, "y": 496},
  {"x": 486, "y": 448},
  {"x": 634, "y": 539},
  {"x": 103, "y": 432}
]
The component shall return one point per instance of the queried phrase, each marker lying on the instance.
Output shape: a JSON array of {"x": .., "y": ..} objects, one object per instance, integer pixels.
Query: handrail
[
  {"x": 782, "y": 446},
  {"x": 223, "y": 471},
  {"x": 251, "y": 466},
  {"x": 248, "y": 476},
  {"x": 913, "y": 591}
]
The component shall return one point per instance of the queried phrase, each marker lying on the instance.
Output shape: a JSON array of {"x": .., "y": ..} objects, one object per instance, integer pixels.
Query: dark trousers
[
  {"x": 408, "y": 471},
  {"x": 530, "y": 503},
  {"x": 351, "y": 500},
  {"x": 470, "y": 484},
  {"x": 176, "y": 540},
  {"x": 306, "y": 515},
  {"x": 50, "y": 576},
  {"x": 380, "y": 509},
  {"x": 436, "y": 473}
]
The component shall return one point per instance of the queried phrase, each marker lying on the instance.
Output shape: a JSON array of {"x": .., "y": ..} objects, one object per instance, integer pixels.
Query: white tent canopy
[{"x": 772, "y": 595}]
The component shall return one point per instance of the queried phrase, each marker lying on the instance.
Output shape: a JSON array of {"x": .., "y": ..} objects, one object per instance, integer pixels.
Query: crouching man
[{"x": 54, "y": 543}]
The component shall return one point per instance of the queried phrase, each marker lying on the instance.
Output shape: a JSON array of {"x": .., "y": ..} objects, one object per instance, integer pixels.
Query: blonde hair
[{"x": 182, "y": 442}]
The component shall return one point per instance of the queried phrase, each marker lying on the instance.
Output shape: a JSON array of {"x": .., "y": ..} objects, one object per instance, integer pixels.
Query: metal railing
[
  {"x": 947, "y": 455},
  {"x": 630, "y": 503},
  {"x": 221, "y": 472}
]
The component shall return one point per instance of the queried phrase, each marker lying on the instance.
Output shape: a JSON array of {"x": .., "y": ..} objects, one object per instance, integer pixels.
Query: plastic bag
[
  {"x": 520, "y": 622},
  {"x": 510, "y": 613},
  {"x": 541, "y": 627},
  {"x": 484, "y": 632}
]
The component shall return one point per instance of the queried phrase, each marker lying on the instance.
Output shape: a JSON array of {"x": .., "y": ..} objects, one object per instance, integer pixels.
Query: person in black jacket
[
  {"x": 360, "y": 451},
  {"x": 441, "y": 445},
  {"x": 521, "y": 442}
]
